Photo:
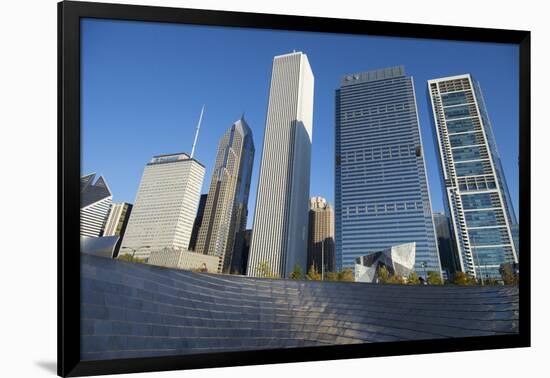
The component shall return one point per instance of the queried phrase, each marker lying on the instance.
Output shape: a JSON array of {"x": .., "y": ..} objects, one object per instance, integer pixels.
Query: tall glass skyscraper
[
  {"x": 381, "y": 191},
  {"x": 279, "y": 233},
  {"x": 226, "y": 208},
  {"x": 478, "y": 201}
]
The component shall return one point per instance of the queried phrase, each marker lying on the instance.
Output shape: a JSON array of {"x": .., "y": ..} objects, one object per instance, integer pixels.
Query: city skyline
[{"x": 177, "y": 128}]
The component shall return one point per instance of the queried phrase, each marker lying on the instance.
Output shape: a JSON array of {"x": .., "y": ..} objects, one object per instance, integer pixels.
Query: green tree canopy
[
  {"x": 297, "y": 273},
  {"x": 434, "y": 278}
]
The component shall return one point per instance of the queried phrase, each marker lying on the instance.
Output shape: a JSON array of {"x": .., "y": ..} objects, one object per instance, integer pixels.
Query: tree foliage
[
  {"x": 297, "y": 273},
  {"x": 434, "y": 278},
  {"x": 264, "y": 271},
  {"x": 312, "y": 274},
  {"x": 130, "y": 258},
  {"x": 413, "y": 279},
  {"x": 508, "y": 276},
  {"x": 461, "y": 278},
  {"x": 385, "y": 277},
  {"x": 346, "y": 275}
]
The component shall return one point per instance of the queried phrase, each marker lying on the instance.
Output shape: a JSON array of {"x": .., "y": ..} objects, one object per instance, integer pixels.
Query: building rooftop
[{"x": 379, "y": 74}]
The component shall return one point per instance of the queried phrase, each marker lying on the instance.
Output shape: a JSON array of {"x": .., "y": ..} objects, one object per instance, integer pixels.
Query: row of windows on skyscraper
[{"x": 381, "y": 190}]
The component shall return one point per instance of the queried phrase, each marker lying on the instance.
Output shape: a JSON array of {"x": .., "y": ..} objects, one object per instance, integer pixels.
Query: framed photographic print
[{"x": 240, "y": 188}]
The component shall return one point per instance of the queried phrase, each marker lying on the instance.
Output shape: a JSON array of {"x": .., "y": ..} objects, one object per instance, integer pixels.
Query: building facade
[
  {"x": 197, "y": 223},
  {"x": 118, "y": 219},
  {"x": 95, "y": 202},
  {"x": 226, "y": 209},
  {"x": 446, "y": 245},
  {"x": 381, "y": 189},
  {"x": 279, "y": 232},
  {"x": 165, "y": 205},
  {"x": 183, "y": 259},
  {"x": 320, "y": 251},
  {"x": 476, "y": 194},
  {"x": 239, "y": 262}
]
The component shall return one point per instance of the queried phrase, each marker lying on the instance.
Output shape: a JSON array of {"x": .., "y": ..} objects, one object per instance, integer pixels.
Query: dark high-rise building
[
  {"x": 320, "y": 252},
  {"x": 239, "y": 261},
  {"x": 381, "y": 189},
  {"x": 197, "y": 224},
  {"x": 446, "y": 245},
  {"x": 226, "y": 208}
]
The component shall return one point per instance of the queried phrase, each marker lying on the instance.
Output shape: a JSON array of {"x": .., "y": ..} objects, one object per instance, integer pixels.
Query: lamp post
[
  {"x": 424, "y": 265},
  {"x": 323, "y": 260}
]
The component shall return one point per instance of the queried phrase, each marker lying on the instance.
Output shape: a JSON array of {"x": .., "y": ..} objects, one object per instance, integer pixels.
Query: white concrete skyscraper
[
  {"x": 477, "y": 198},
  {"x": 280, "y": 229},
  {"x": 165, "y": 206}
]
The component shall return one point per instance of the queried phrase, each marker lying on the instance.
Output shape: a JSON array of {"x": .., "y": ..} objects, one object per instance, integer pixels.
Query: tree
[
  {"x": 312, "y": 274},
  {"x": 461, "y": 278},
  {"x": 331, "y": 276},
  {"x": 434, "y": 278},
  {"x": 264, "y": 270},
  {"x": 385, "y": 277},
  {"x": 413, "y": 279},
  {"x": 346, "y": 275},
  {"x": 130, "y": 258},
  {"x": 508, "y": 276},
  {"x": 297, "y": 273}
]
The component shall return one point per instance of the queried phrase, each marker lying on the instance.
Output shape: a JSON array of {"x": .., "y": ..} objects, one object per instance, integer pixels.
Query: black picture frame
[{"x": 69, "y": 15}]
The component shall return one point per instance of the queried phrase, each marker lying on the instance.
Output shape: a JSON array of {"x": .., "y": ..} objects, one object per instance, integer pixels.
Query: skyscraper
[
  {"x": 279, "y": 232},
  {"x": 95, "y": 203},
  {"x": 477, "y": 197},
  {"x": 165, "y": 206},
  {"x": 118, "y": 219},
  {"x": 381, "y": 191},
  {"x": 226, "y": 208},
  {"x": 197, "y": 223},
  {"x": 320, "y": 250},
  {"x": 445, "y": 244}
]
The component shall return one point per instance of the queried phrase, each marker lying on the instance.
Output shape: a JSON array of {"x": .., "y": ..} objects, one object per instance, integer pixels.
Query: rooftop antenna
[{"x": 197, "y": 132}]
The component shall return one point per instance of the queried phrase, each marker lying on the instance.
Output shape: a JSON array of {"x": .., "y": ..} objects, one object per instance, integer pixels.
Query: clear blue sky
[{"x": 143, "y": 85}]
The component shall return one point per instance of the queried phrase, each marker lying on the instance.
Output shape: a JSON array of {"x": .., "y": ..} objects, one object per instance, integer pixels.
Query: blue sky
[{"x": 143, "y": 85}]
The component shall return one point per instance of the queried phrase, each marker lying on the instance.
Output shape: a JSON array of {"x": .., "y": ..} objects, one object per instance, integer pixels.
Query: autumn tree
[
  {"x": 130, "y": 258},
  {"x": 312, "y": 274},
  {"x": 434, "y": 278},
  {"x": 461, "y": 278},
  {"x": 264, "y": 270},
  {"x": 413, "y": 279},
  {"x": 297, "y": 273}
]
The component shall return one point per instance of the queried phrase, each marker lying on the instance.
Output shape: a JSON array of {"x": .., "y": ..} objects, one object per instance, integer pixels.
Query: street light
[{"x": 424, "y": 265}]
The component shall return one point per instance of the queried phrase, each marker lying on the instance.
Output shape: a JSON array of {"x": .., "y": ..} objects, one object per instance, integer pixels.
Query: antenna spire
[{"x": 197, "y": 132}]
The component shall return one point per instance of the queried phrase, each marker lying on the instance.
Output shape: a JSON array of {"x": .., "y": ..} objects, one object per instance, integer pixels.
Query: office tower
[
  {"x": 279, "y": 237},
  {"x": 118, "y": 219},
  {"x": 165, "y": 205},
  {"x": 197, "y": 223},
  {"x": 95, "y": 202},
  {"x": 226, "y": 208},
  {"x": 482, "y": 216},
  {"x": 446, "y": 245},
  {"x": 239, "y": 262},
  {"x": 320, "y": 251},
  {"x": 381, "y": 192}
]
